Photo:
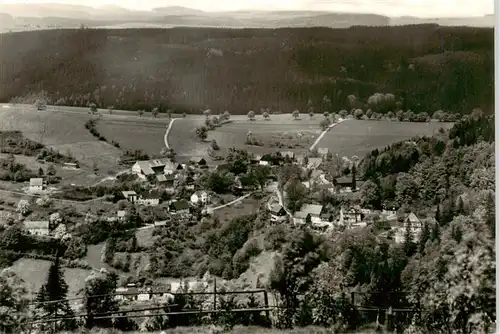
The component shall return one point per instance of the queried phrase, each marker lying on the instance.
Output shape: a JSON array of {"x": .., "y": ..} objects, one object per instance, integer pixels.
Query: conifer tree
[
  {"x": 424, "y": 236},
  {"x": 55, "y": 289},
  {"x": 409, "y": 244},
  {"x": 435, "y": 233},
  {"x": 353, "y": 171}
]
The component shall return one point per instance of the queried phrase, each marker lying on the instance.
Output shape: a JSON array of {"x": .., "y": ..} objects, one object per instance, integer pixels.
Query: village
[{"x": 182, "y": 192}]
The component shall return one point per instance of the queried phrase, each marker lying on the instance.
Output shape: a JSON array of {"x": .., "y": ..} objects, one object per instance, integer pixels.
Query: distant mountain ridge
[{"x": 20, "y": 17}]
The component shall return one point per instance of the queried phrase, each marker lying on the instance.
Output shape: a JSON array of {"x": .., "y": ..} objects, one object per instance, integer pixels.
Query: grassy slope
[
  {"x": 244, "y": 69},
  {"x": 357, "y": 137},
  {"x": 34, "y": 273},
  {"x": 62, "y": 129}
]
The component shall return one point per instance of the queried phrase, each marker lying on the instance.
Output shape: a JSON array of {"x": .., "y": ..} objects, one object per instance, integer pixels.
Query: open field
[
  {"x": 358, "y": 137},
  {"x": 34, "y": 274},
  {"x": 134, "y": 133},
  {"x": 183, "y": 140},
  {"x": 280, "y": 128},
  {"x": 62, "y": 130}
]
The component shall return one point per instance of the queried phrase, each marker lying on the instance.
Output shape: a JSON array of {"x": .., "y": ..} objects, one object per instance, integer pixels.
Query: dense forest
[{"x": 424, "y": 67}]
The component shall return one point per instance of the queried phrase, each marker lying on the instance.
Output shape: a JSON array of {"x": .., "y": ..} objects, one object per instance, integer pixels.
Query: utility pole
[{"x": 215, "y": 294}]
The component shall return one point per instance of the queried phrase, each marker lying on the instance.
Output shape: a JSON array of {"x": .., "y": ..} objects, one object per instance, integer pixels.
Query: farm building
[
  {"x": 314, "y": 212},
  {"x": 343, "y": 184},
  {"x": 314, "y": 163},
  {"x": 37, "y": 184},
  {"x": 255, "y": 159},
  {"x": 200, "y": 197},
  {"x": 121, "y": 215},
  {"x": 287, "y": 154},
  {"x": 147, "y": 168},
  {"x": 301, "y": 218},
  {"x": 323, "y": 151},
  {"x": 278, "y": 213},
  {"x": 199, "y": 161},
  {"x": 413, "y": 222},
  {"x": 160, "y": 223},
  {"x": 179, "y": 207},
  {"x": 40, "y": 228},
  {"x": 130, "y": 195}
]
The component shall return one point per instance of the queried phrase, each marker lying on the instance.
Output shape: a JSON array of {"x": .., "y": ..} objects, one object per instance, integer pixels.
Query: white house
[
  {"x": 278, "y": 213},
  {"x": 350, "y": 216},
  {"x": 36, "y": 184},
  {"x": 200, "y": 197},
  {"x": 413, "y": 223},
  {"x": 301, "y": 217},
  {"x": 40, "y": 228},
  {"x": 322, "y": 152},
  {"x": 314, "y": 163},
  {"x": 151, "y": 198},
  {"x": 130, "y": 195},
  {"x": 160, "y": 223},
  {"x": 120, "y": 214}
]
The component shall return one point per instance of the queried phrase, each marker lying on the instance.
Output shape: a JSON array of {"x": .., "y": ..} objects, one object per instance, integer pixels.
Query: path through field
[
  {"x": 323, "y": 134},
  {"x": 239, "y": 199},
  {"x": 165, "y": 138}
]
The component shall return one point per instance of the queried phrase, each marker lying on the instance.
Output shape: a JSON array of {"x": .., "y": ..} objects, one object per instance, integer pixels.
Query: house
[
  {"x": 350, "y": 216},
  {"x": 179, "y": 207},
  {"x": 301, "y": 218},
  {"x": 343, "y": 184},
  {"x": 160, "y": 223},
  {"x": 314, "y": 163},
  {"x": 414, "y": 223},
  {"x": 60, "y": 232},
  {"x": 200, "y": 197},
  {"x": 198, "y": 161},
  {"x": 121, "y": 215},
  {"x": 323, "y": 152},
  {"x": 287, "y": 154},
  {"x": 130, "y": 195},
  {"x": 306, "y": 184},
  {"x": 314, "y": 209},
  {"x": 278, "y": 213},
  {"x": 40, "y": 228},
  {"x": 151, "y": 198},
  {"x": 36, "y": 184},
  {"x": 255, "y": 159}
]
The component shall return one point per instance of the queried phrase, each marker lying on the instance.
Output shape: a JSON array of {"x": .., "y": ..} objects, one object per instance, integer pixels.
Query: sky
[{"x": 421, "y": 8}]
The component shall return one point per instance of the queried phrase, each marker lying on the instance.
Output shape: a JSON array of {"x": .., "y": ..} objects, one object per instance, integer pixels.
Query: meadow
[
  {"x": 359, "y": 137},
  {"x": 34, "y": 274},
  {"x": 134, "y": 133},
  {"x": 62, "y": 129}
]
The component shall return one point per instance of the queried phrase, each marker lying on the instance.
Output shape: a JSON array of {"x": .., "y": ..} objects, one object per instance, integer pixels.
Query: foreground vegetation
[{"x": 425, "y": 67}]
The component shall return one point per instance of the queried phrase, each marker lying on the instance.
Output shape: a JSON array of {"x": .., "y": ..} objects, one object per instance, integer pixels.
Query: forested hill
[
  {"x": 426, "y": 67},
  {"x": 446, "y": 274}
]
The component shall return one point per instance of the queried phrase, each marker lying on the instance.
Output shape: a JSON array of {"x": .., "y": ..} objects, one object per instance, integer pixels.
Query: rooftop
[
  {"x": 36, "y": 181},
  {"x": 313, "y": 209},
  {"x": 180, "y": 205},
  {"x": 37, "y": 225},
  {"x": 275, "y": 208},
  {"x": 127, "y": 193}
]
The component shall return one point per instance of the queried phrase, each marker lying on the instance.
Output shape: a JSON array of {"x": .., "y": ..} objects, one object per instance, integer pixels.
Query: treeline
[{"x": 426, "y": 68}]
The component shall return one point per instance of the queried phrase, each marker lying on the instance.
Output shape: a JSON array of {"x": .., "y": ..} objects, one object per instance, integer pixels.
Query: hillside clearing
[
  {"x": 62, "y": 131},
  {"x": 358, "y": 137}
]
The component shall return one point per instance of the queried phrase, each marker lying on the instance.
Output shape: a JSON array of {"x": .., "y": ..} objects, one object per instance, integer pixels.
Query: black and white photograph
[{"x": 248, "y": 167}]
